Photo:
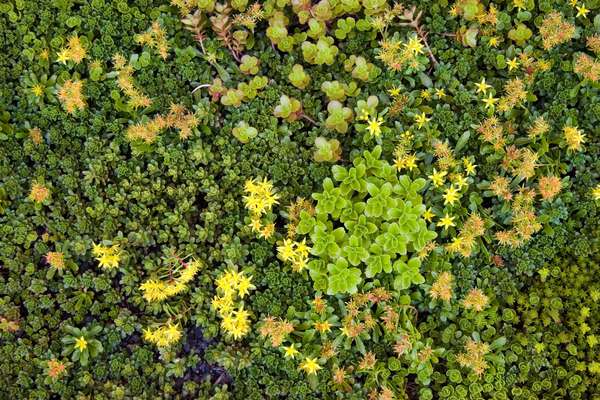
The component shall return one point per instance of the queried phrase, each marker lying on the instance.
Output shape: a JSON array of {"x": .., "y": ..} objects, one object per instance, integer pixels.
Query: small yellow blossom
[
  {"x": 469, "y": 166},
  {"x": 421, "y": 119},
  {"x": 374, "y": 126},
  {"x": 489, "y": 101},
  {"x": 446, "y": 222},
  {"x": 451, "y": 195},
  {"x": 440, "y": 93},
  {"x": 482, "y": 87},
  {"x": 394, "y": 92},
  {"x": 574, "y": 137},
  {"x": 596, "y": 192},
  {"x": 310, "y": 366},
  {"x": 290, "y": 351},
  {"x": 582, "y": 11},
  {"x": 437, "y": 177},
  {"x": 512, "y": 64},
  {"x": 81, "y": 343},
  {"x": 428, "y": 215}
]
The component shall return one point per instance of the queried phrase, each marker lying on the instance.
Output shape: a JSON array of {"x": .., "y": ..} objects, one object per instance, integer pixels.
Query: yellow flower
[
  {"x": 493, "y": 42},
  {"x": 374, "y": 126},
  {"x": 154, "y": 290},
  {"x": 596, "y": 192},
  {"x": 582, "y": 11},
  {"x": 426, "y": 94},
  {"x": 482, "y": 87},
  {"x": 39, "y": 193},
  {"x": 460, "y": 181},
  {"x": 421, "y": 119},
  {"x": 451, "y": 195},
  {"x": 310, "y": 366},
  {"x": 107, "y": 257},
  {"x": 63, "y": 56},
  {"x": 446, "y": 222},
  {"x": 437, "y": 178},
  {"x": 255, "y": 223},
  {"x": 512, "y": 64},
  {"x": 244, "y": 285},
  {"x": 394, "y": 91},
  {"x": 323, "y": 327},
  {"x": 267, "y": 231},
  {"x": 410, "y": 162},
  {"x": 574, "y": 138},
  {"x": 38, "y": 90},
  {"x": 81, "y": 343},
  {"x": 428, "y": 215},
  {"x": 469, "y": 166},
  {"x": 189, "y": 271},
  {"x": 440, "y": 93},
  {"x": 290, "y": 351},
  {"x": 414, "y": 45},
  {"x": 489, "y": 101}
]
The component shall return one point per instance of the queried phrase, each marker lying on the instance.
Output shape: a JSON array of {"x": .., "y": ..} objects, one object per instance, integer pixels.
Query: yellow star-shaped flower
[
  {"x": 63, "y": 56},
  {"x": 395, "y": 91},
  {"x": 451, "y": 195},
  {"x": 440, "y": 93},
  {"x": 490, "y": 101},
  {"x": 469, "y": 167},
  {"x": 446, "y": 222},
  {"x": 290, "y": 351},
  {"x": 573, "y": 3},
  {"x": 80, "y": 343},
  {"x": 494, "y": 41},
  {"x": 374, "y": 126},
  {"x": 482, "y": 87},
  {"x": 437, "y": 177},
  {"x": 410, "y": 162},
  {"x": 310, "y": 366},
  {"x": 428, "y": 215},
  {"x": 421, "y": 119},
  {"x": 512, "y": 64},
  {"x": 414, "y": 45},
  {"x": 582, "y": 11},
  {"x": 596, "y": 192}
]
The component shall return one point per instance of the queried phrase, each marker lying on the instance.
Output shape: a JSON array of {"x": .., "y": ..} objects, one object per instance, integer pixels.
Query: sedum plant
[
  {"x": 323, "y": 52},
  {"x": 298, "y": 77},
  {"x": 365, "y": 226},
  {"x": 244, "y": 132},
  {"x": 82, "y": 344}
]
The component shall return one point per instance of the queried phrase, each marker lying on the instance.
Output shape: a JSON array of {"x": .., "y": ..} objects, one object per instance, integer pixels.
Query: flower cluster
[
  {"x": 164, "y": 335},
  {"x": 71, "y": 96},
  {"x": 39, "y": 192},
  {"x": 294, "y": 252},
  {"x": 108, "y": 257},
  {"x": 155, "y": 38},
  {"x": 442, "y": 287},
  {"x": 125, "y": 82},
  {"x": 473, "y": 357},
  {"x": 74, "y": 51},
  {"x": 178, "y": 118},
  {"x": 259, "y": 200},
  {"x": 55, "y": 259},
  {"x": 55, "y": 368},
  {"x": 232, "y": 287},
  {"x": 157, "y": 290}
]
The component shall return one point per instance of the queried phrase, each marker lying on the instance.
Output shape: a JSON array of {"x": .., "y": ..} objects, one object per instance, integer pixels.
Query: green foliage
[
  {"x": 288, "y": 108},
  {"x": 381, "y": 224},
  {"x": 298, "y": 77},
  {"x": 244, "y": 132}
]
